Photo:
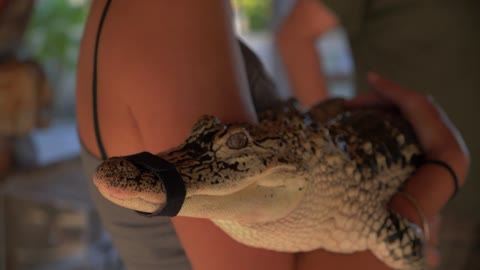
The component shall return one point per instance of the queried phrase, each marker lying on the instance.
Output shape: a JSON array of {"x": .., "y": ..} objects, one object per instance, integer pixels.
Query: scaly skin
[{"x": 293, "y": 182}]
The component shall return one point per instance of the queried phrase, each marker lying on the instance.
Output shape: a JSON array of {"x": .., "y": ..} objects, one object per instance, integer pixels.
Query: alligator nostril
[
  {"x": 121, "y": 165},
  {"x": 112, "y": 172}
]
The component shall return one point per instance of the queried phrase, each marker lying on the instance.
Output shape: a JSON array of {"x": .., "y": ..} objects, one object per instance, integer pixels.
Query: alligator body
[{"x": 296, "y": 181}]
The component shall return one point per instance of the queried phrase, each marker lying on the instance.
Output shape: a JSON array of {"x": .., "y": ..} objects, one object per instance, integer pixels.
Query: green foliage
[
  {"x": 258, "y": 13},
  {"x": 55, "y": 31}
]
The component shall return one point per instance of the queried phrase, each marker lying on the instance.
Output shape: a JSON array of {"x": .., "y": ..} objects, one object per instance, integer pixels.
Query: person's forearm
[
  {"x": 303, "y": 68},
  {"x": 308, "y": 20}
]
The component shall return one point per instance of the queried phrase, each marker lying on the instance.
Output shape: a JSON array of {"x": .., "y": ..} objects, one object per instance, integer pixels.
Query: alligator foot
[{"x": 398, "y": 242}]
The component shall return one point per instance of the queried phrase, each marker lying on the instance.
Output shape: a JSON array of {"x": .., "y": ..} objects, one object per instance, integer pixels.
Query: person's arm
[
  {"x": 170, "y": 64},
  {"x": 295, "y": 40}
]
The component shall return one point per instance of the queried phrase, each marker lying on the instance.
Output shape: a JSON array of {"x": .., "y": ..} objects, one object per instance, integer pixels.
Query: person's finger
[
  {"x": 370, "y": 99},
  {"x": 435, "y": 132},
  {"x": 385, "y": 93},
  {"x": 390, "y": 90},
  {"x": 409, "y": 102},
  {"x": 421, "y": 112}
]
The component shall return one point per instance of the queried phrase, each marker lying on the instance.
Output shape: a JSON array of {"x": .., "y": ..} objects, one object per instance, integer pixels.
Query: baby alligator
[{"x": 295, "y": 181}]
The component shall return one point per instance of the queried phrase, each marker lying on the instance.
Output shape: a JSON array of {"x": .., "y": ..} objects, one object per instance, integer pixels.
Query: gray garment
[{"x": 151, "y": 243}]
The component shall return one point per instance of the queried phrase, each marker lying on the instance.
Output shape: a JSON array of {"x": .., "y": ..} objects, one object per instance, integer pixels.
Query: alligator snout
[
  {"x": 142, "y": 182},
  {"x": 131, "y": 183}
]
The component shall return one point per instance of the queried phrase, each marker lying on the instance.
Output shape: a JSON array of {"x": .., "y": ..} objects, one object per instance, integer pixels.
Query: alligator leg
[{"x": 397, "y": 242}]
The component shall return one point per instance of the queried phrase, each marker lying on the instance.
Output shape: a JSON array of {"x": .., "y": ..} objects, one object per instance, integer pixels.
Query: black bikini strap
[
  {"x": 165, "y": 171},
  {"x": 103, "y": 153}
]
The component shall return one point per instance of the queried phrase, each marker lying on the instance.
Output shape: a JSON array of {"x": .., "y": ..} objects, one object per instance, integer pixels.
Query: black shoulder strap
[{"x": 94, "y": 83}]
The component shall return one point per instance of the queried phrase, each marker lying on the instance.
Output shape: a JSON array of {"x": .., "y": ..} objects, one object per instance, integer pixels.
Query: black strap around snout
[{"x": 171, "y": 179}]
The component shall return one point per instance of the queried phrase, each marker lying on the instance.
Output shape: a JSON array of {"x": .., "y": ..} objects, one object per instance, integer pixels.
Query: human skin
[
  {"x": 184, "y": 62},
  {"x": 295, "y": 40}
]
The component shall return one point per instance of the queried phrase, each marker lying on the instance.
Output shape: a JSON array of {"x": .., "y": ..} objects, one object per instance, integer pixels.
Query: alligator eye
[{"x": 237, "y": 140}]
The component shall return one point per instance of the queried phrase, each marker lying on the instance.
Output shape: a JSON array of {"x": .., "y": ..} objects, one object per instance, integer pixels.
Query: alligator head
[{"x": 241, "y": 172}]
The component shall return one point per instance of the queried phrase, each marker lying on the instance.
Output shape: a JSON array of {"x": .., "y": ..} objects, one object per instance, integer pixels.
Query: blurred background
[{"x": 47, "y": 220}]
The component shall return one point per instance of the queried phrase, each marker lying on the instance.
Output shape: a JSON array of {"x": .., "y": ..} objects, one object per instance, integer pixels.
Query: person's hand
[
  {"x": 437, "y": 135},
  {"x": 431, "y": 185}
]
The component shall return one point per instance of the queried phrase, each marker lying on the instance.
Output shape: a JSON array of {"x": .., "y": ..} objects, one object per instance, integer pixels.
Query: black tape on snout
[{"x": 171, "y": 179}]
